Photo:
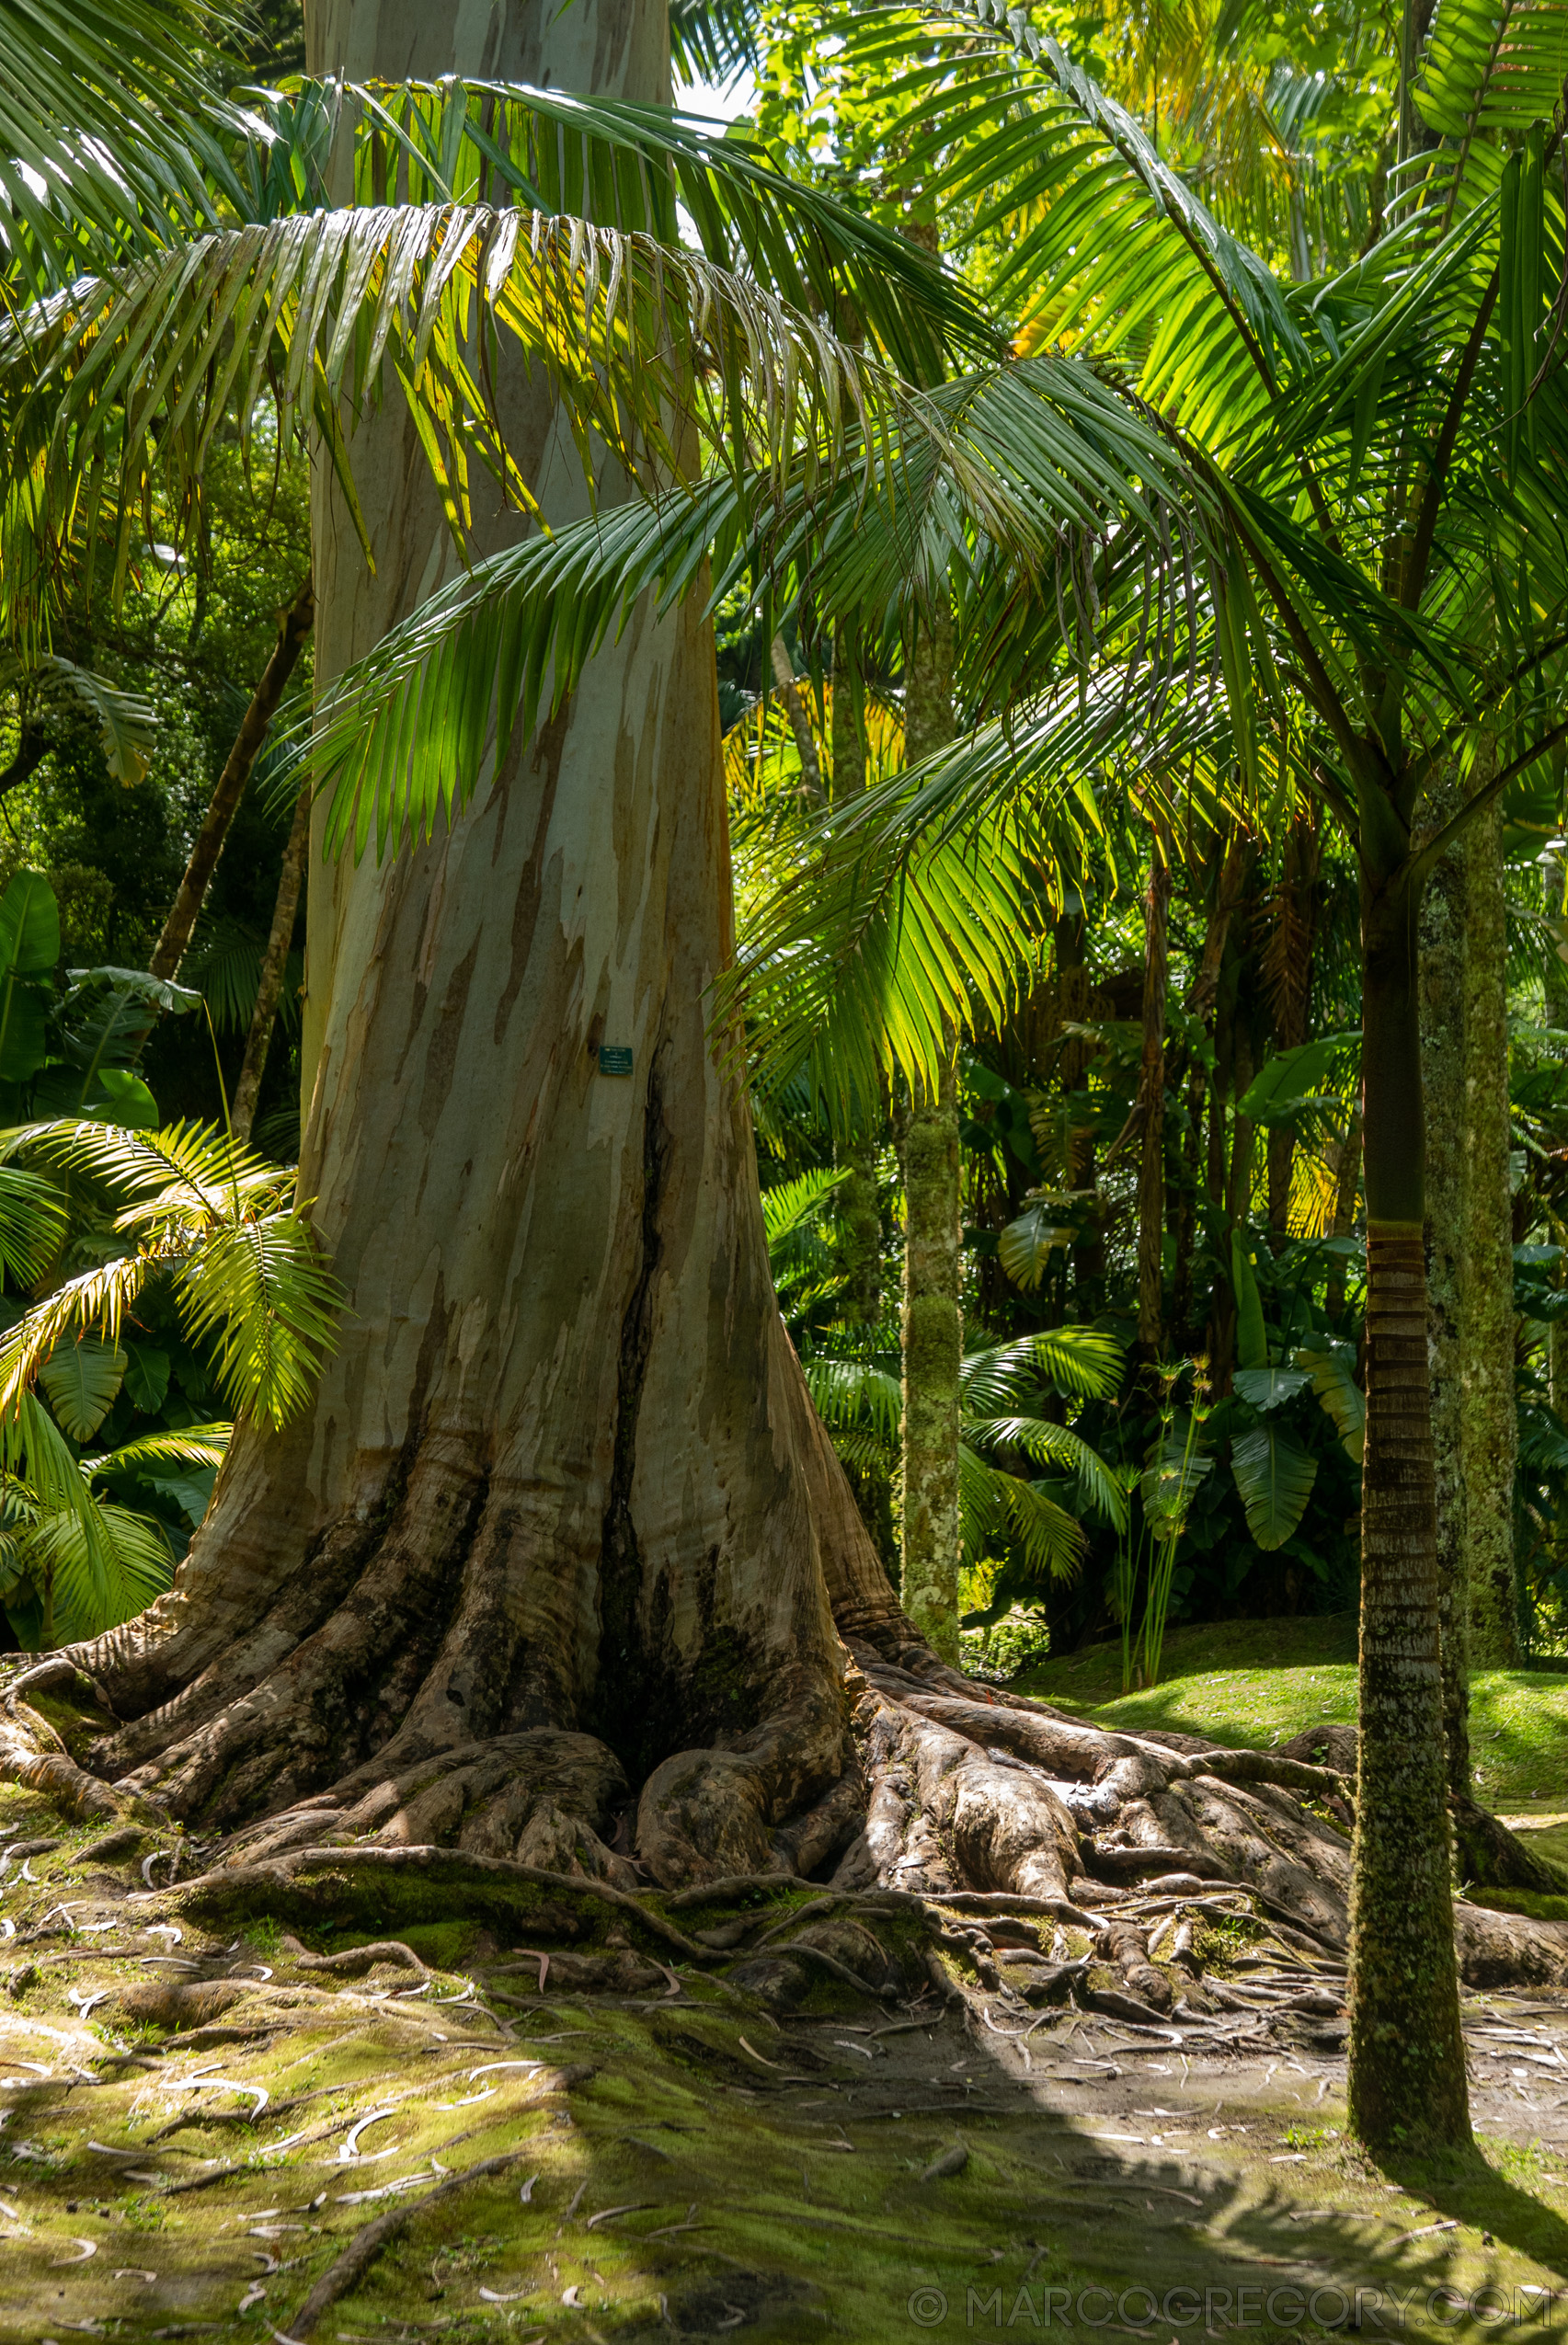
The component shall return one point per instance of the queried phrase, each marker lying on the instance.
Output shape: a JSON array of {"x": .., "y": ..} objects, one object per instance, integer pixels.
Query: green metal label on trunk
[{"x": 614, "y": 1058}]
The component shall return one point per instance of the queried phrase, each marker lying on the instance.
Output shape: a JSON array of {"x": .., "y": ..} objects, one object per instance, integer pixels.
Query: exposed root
[{"x": 364, "y": 2248}]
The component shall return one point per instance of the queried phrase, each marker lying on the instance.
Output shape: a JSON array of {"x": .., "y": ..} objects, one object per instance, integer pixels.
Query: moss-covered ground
[
  {"x": 686, "y": 2163},
  {"x": 1256, "y": 1683}
]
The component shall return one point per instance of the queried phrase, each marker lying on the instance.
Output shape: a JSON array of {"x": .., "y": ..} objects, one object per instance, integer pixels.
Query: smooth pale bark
[
  {"x": 1443, "y": 1062},
  {"x": 1407, "y": 2062},
  {"x": 293, "y": 631},
  {"x": 545, "y": 1535},
  {"x": 932, "y": 1317},
  {"x": 258, "y": 1041},
  {"x": 1151, "y": 1108},
  {"x": 1490, "y": 1432}
]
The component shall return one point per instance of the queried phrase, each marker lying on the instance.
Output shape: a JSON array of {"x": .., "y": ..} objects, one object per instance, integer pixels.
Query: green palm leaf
[
  {"x": 1274, "y": 1476},
  {"x": 82, "y": 1380}
]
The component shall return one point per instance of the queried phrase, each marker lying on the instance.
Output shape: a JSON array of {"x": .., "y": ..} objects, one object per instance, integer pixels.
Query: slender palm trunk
[
  {"x": 1347, "y": 1184},
  {"x": 293, "y": 630},
  {"x": 860, "y": 1211},
  {"x": 258, "y": 1041},
  {"x": 1490, "y": 1422},
  {"x": 1407, "y": 2065},
  {"x": 1151, "y": 1106},
  {"x": 799, "y": 717},
  {"x": 1288, "y": 969},
  {"x": 1442, "y": 1062},
  {"x": 933, "y": 1316}
]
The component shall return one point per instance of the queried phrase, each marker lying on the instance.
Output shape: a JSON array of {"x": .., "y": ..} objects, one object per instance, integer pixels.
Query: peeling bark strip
[
  {"x": 293, "y": 628},
  {"x": 1407, "y": 2054}
]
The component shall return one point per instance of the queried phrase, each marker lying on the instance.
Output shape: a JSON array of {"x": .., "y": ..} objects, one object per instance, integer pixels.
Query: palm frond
[
  {"x": 1082, "y": 1362},
  {"x": 789, "y": 1207},
  {"x": 848, "y": 1394},
  {"x": 193, "y": 1445},
  {"x": 1045, "y": 1443},
  {"x": 260, "y": 1293}
]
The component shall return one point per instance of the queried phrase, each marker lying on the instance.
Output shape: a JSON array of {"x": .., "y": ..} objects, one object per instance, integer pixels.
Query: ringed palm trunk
[
  {"x": 546, "y": 1536},
  {"x": 1407, "y": 2065}
]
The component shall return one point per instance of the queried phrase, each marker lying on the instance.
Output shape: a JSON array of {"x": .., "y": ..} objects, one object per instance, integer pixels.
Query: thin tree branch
[
  {"x": 1413, "y": 584},
  {"x": 293, "y": 626},
  {"x": 259, "y": 1040},
  {"x": 1461, "y": 821}
]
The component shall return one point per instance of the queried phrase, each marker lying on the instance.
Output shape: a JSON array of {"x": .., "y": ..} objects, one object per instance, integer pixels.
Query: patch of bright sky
[{"x": 718, "y": 105}]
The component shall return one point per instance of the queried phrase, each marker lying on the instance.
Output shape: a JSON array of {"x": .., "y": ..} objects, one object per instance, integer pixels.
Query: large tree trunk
[
  {"x": 1407, "y": 2063},
  {"x": 1490, "y": 1425},
  {"x": 1443, "y": 1082},
  {"x": 544, "y": 1536}
]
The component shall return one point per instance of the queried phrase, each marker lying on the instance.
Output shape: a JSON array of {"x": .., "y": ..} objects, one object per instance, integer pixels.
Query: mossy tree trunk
[
  {"x": 1490, "y": 1423},
  {"x": 860, "y": 1212},
  {"x": 1151, "y": 1106},
  {"x": 1443, "y": 1065},
  {"x": 933, "y": 1313}
]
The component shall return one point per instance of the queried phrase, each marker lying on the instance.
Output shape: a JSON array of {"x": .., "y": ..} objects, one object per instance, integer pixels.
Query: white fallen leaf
[
  {"x": 27, "y": 1874},
  {"x": 8, "y": 1928},
  {"x": 88, "y": 2248},
  {"x": 516, "y": 2297},
  {"x": 162, "y": 1929},
  {"x": 39, "y": 2067},
  {"x": 148, "y": 1862},
  {"x": 106, "y": 2149},
  {"x": 268, "y": 2263},
  {"x": 844, "y": 2045},
  {"x": 469, "y": 2099},
  {"x": 87, "y": 2004},
  {"x": 131, "y": 2271},
  {"x": 223, "y": 2083},
  {"x": 526, "y": 2193},
  {"x": 350, "y": 2148},
  {"x": 253, "y": 2295},
  {"x": 488, "y": 2067},
  {"x": 573, "y": 2297}
]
